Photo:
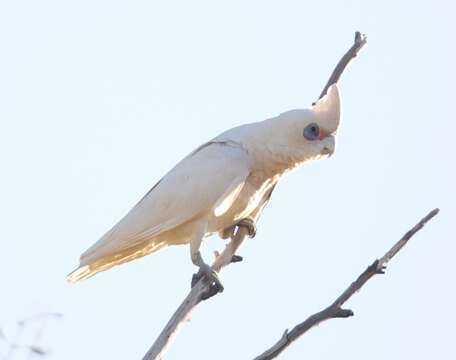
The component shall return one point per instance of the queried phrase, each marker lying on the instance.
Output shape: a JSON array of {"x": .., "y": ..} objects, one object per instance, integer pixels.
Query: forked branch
[{"x": 335, "y": 309}]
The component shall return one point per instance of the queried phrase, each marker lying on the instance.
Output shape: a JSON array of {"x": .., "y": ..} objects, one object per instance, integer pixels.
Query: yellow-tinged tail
[
  {"x": 80, "y": 273},
  {"x": 86, "y": 270}
]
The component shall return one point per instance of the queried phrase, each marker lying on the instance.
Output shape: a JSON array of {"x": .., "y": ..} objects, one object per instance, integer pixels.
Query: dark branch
[{"x": 334, "y": 310}]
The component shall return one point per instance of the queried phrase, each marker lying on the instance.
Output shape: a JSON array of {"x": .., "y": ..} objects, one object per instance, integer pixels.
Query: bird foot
[
  {"x": 228, "y": 233},
  {"x": 210, "y": 274},
  {"x": 247, "y": 222}
]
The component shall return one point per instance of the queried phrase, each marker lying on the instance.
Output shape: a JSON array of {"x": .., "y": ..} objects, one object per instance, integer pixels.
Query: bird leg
[{"x": 205, "y": 270}]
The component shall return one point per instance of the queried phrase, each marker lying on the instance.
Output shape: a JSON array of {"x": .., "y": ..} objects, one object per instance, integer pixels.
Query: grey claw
[
  {"x": 213, "y": 290},
  {"x": 195, "y": 279},
  {"x": 211, "y": 275}
]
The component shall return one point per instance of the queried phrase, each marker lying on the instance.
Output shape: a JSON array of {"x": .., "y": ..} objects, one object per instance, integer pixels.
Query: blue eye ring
[{"x": 311, "y": 131}]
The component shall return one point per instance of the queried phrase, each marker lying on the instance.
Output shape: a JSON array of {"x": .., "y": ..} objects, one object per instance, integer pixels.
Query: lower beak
[
  {"x": 329, "y": 146},
  {"x": 327, "y": 151}
]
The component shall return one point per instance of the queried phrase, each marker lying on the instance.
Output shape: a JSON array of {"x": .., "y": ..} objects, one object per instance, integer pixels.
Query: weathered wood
[{"x": 360, "y": 41}]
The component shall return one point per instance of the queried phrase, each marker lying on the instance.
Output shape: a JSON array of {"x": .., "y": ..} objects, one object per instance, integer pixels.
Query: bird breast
[{"x": 251, "y": 199}]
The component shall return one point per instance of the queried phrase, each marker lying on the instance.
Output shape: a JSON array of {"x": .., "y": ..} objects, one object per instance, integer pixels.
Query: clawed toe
[
  {"x": 211, "y": 276},
  {"x": 249, "y": 223},
  {"x": 227, "y": 233}
]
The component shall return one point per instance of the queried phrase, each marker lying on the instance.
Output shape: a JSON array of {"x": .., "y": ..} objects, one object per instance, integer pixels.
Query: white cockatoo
[{"x": 225, "y": 182}]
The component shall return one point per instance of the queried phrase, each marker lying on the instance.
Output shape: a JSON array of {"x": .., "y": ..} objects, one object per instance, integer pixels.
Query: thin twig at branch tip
[
  {"x": 360, "y": 41},
  {"x": 335, "y": 310},
  {"x": 401, "y": 243}
]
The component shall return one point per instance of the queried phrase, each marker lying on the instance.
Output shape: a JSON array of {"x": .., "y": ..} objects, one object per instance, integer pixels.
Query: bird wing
[{"x": 209, "y": 179}]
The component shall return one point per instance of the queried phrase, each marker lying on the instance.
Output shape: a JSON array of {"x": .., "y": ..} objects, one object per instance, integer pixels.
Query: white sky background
[{"x": 99, "y": 99}]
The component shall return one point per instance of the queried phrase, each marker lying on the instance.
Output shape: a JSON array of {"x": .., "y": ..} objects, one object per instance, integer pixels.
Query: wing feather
[{"x": 210, "y": 178}]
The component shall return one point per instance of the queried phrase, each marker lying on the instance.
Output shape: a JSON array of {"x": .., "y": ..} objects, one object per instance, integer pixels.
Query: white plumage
[{"x": 220, "y": 183}]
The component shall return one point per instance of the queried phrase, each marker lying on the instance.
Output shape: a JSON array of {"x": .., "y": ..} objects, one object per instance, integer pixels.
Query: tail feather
[
  {"x": 80, "y": 273},
  {"x": 86, "y": 270}
]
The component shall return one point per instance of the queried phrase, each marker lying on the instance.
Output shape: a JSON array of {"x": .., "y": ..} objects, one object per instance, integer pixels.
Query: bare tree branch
[
  {"x": 201, "y": 291},
  {"x": 335, "y": 309},
  {"x": 360, "y": 41}
]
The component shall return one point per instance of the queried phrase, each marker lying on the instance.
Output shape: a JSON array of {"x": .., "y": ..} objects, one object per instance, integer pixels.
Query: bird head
[
  {"x": 308, "y": 134},
  {"x": 296, "y": 136},
  {"x": 327, "y": 110}
]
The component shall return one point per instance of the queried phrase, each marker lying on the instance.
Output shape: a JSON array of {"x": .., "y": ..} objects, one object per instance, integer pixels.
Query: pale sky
[{"x": 98, "y": 99}]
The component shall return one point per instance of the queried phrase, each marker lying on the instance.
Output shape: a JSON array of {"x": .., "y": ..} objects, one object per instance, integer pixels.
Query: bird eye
[{"x": 311, "y": 131}]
